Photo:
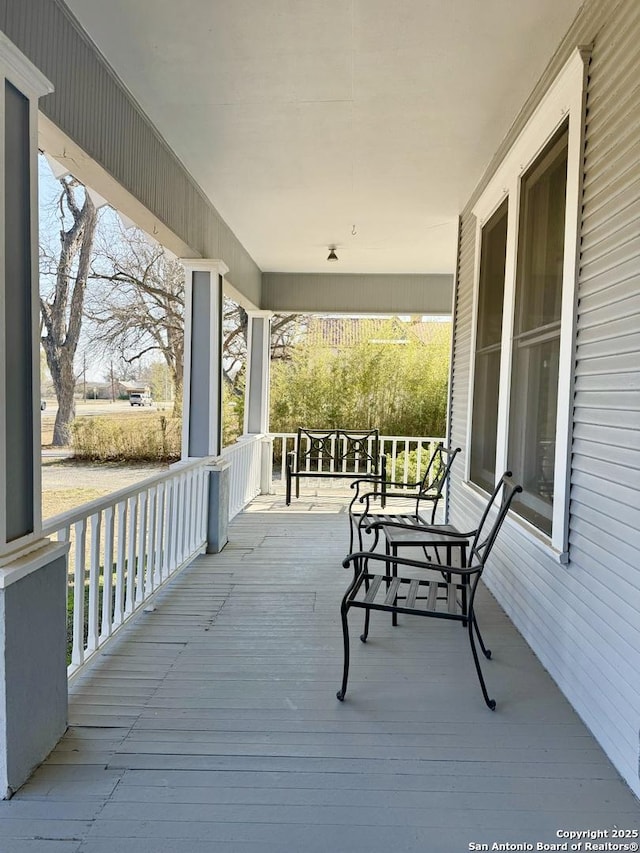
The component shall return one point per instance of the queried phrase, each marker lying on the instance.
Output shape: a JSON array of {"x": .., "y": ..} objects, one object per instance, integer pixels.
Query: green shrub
[{"x": 400, "y": 389}]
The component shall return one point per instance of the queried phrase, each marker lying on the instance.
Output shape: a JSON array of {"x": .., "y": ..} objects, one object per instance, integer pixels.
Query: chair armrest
[
  {"x": 371, "y": 478},
  {"x": 424, "y": 528},
  {"x": 364, "y": 557},
  {"x": 404, "y": 495}
]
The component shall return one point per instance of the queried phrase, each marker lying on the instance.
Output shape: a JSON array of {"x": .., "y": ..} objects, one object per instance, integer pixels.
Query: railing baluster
[
  {"x": 406, "y": 461},
  {"x": 107, "y": 583},
  {"x": 77, "y": 653},
  {"x": 150, "y": 576},
  {"x": 167, "y": 539},
  {"x": 118, "y": 614},
  {"x": 192, "y": 512},
  {"x": 186, "y": 516},
  {"x": 132, "y": 561},
  {"x": 173, "y": 527},
  {"x": 160, "y": 528},
  {"x": 201, "y": 508},
  {"x": 94, "y": 585},
  {"x": 142, "y": 539},
  {"x": 182, "y": 525}
]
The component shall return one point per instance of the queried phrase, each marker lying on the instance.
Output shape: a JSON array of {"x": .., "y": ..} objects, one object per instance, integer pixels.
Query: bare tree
[
  {"x": 285, "y": 331},
  {"x": 140, "y": 307},
  {"x": 62, "y": 310}
]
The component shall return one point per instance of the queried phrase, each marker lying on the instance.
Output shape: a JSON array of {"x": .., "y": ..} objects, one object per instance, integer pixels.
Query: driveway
[{"x": 67, "y": 484}]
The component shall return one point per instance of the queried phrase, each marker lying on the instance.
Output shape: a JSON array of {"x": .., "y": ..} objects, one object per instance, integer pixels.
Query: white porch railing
[
  {"x": 407, "y": 456},
  {"x": 245, "y": 458},
  {"x": 125, "y": 546}
]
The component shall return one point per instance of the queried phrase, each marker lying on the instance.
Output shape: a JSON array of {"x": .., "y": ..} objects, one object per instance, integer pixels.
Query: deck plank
[{"x": 211, "y": 723}]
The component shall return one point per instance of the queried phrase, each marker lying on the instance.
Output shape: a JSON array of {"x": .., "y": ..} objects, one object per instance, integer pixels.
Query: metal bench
[
  {"x": 432, "y": 588},
  {"x": 337, "y": 453}
]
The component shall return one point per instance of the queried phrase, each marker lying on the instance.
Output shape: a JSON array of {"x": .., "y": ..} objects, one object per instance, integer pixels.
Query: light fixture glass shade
[{"x": 332, "y": 254}]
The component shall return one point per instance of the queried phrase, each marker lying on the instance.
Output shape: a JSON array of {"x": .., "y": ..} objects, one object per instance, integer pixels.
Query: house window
[
  {"x": 520, "y": 413},
  {"x": 488, "y": 347},
  {"x": 536, "y": 333}
]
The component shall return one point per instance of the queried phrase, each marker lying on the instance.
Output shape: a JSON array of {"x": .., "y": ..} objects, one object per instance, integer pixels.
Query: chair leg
[
  {"x": 345, "y": 636},
  {"x": 365, "y": 633},
  {"x": 367, "y": 612},
  {"x": 288, "y": 498},
  {"x": 394, "y": 573},
  {"x": 485, "y": 651},
  {"x": 491, "y": 703}
]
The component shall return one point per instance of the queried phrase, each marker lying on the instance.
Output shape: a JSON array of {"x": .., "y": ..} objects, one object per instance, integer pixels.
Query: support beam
[
  {"x": 33, "y": 676},
  {"x": 356, "y": 293}
]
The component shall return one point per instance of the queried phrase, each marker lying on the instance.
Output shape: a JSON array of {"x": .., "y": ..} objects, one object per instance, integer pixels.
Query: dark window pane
[
  {"x": 484, "y": 425},
  {"x": 485, "y": 418},
  {"x": 536, "y": 343},
  {"x": 532, "y": 437},
  {"x": 491, "y": 287},
  {"x": 541, "y": 248}
]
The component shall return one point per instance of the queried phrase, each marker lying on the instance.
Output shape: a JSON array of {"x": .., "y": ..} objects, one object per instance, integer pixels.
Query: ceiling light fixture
[{"x": 332, "y": 254}]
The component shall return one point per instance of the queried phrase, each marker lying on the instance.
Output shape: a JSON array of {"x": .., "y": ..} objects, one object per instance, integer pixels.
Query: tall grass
[{"x": 108, "y": 439}]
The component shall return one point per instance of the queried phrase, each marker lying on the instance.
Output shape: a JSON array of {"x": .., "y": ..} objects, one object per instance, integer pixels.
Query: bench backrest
[
  {"x": 494, "y": 514},
  {"x": 339, "y": 450}
]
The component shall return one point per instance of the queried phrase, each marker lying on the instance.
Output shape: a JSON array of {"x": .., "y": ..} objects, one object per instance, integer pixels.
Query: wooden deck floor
[{"x": 212, "y": 724}]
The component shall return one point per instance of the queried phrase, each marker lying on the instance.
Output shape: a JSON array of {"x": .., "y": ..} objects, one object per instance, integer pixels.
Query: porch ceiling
[{"x": 301, "y": 119}]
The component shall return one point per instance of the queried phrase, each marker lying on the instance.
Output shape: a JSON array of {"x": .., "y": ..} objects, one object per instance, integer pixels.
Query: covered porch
[
  {"x": 211, "y": 722},
  {"x": 220, "y": 686}
]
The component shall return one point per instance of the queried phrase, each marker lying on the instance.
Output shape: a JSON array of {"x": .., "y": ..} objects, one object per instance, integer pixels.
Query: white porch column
[
  {"x": 256, "y": 401},
  {"x": 202, "y": 390},
  {"x": 256, "y": 407},
  {"x": 33, "y": 672}
]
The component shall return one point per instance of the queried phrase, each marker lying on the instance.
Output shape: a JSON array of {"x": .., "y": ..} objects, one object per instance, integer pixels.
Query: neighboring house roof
[
  {"x": 132, "y": 387},
  {"x": 338, "y": 332}
]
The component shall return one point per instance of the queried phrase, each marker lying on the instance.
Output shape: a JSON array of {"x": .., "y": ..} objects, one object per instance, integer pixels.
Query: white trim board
[{"x": 564, "y": 101}]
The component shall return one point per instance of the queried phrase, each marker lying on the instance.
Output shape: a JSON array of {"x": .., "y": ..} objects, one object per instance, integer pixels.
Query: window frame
[{"x": 563, "y": 102}]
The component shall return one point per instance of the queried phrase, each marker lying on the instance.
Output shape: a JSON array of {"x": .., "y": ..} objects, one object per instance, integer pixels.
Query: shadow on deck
[{"x": 212, "y": 723}]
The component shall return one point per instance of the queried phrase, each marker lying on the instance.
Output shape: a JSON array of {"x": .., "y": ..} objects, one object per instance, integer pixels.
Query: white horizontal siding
[
  {"x": 583, "y": 619},
  {"x": 460, "y": 371}
]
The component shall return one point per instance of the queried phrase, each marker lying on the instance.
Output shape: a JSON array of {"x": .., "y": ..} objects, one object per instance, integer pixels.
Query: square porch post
[
  {"x": 202, "y": 390},
  {"x": 256, "y": 407},
  {"x": 33, "y": 670}
]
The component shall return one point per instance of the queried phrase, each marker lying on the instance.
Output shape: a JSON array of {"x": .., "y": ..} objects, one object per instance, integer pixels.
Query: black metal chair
[
  {"x": 427, "y": 493},
  {"x": 438, "y": 590}
]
